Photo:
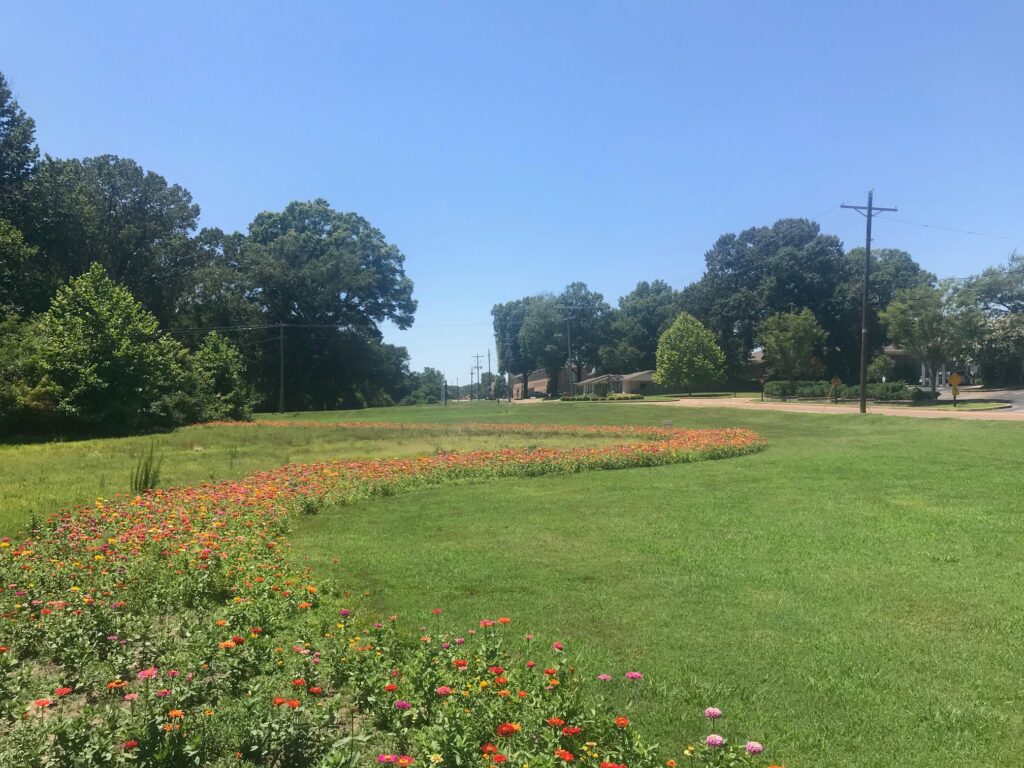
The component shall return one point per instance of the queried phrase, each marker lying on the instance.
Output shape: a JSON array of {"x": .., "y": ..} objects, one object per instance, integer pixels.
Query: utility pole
[
  {"x": 568, "y": 338},
  {"x": 490, "y": 376},
  {"x": 280, "y": 379},
  {"x": 477, "y": 367},
  {"x": 866, "y": 211},
  {"x": 471, "y": 382}
]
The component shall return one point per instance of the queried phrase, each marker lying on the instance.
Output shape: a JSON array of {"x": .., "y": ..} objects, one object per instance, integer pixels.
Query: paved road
[{"x": 1014, "y": 413}]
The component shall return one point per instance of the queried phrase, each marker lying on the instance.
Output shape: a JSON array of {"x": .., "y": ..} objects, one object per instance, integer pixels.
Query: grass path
[{"x": 851, "y": 595}]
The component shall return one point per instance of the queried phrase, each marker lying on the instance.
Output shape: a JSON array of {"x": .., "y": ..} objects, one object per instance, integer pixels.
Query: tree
[
  {"x": 106, "y": 210},
  {"x": 643, "y": 315},
  {"x": 933, "y": 325},
  {"x": 880, "y": 369},
  {"x": 105, "y": 359},
  {"x": 589, "y": 314},
  {"x": 1000, "y": 355},
  {"x": 335, "y": 278},
  {"x": 542, "y": 338},
  {"x": 221, "y": 385},
  {"x": 793, "y": 342},
  {"x": 999, "y": 290},
  {"x": 763, "y": 271},
  {"x": 18, "y": 150},
  {"x": 688, "y": 356},
  {"x": 14, "y": 254},
  {"x": 508, "y": 321}
]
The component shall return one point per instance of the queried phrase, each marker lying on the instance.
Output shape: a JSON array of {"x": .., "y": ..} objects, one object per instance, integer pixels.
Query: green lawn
[{"x": 849, "y": 596}]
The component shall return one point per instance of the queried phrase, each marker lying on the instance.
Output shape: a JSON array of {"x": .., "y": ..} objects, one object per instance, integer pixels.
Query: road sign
[{"x": 954, "y": 380}]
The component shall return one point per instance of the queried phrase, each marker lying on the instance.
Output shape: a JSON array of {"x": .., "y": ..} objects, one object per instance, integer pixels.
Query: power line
[{"x": 953, "y": 229}]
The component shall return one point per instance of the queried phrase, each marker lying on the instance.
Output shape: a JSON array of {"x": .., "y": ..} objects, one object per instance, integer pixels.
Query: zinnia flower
[
  {"x": 713, "y": 713},
  {"x": 714, "y": 740},
  {"x": 754, "y": 747},
  {"x": 402, "y": 704}
]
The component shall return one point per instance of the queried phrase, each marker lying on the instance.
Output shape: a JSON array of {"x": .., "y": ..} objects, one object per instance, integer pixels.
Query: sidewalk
[{"x": 918, "y": 412}]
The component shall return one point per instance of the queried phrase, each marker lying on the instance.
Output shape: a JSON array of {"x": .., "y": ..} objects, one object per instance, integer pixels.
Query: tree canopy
[{"x": 688, "y": 356}]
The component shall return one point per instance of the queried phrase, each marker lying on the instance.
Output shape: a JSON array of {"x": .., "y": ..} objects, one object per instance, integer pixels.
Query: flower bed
[{"x": 173, "y": 629}]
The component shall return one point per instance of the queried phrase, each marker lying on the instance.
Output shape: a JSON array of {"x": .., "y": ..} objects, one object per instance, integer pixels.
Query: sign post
[
  {"x": 833, "y": 393},
  {"x": 954, "y": 383}
]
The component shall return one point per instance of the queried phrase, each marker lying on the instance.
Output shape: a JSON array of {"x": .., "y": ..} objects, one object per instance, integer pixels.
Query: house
[
  {"x": 537, "y": 384},
  {"x": 639, "y": 383}
]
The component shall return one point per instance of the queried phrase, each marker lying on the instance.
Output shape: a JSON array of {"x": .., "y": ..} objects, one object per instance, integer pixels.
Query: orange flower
[
  {"x": 175, "y": 713},
  {"x": 621, "y": 722}
]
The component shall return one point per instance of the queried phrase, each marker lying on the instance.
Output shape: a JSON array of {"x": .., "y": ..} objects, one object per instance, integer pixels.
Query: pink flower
[
  {"x": 147, "y": 674},
  {"x": 634, "y": 676},
  {"x": 131, "y": 696},
  {"x": 755, "y": 747},
  {"x": 443, "y": 690},
  {"x": 714, "y": 740},
  {"x": 558, "y": 646},
  {"x": 712, "y": 713},
  {"x": 402, "y": 704},
  {"x": 163, "y": 692},
  {"x": 604, "y": 678}
]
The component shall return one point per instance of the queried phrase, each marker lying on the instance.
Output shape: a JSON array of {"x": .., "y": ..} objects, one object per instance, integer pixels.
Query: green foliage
[
  {"x": 18, "y": 150},
  {"x": 542, "y": 338},
  {"x": 592, "y": 398},
  {"x": 146, "y": 474},
  {"x": 880, "y": 369},
  {"x": 793, "y": 343},
  {"x": 590, "y": 316},
  {"x": 1000, "y": 290},
  {"x": 1000, "y": 355},
  {"x": 934, "y": 325},
  {"x": 643, "y": 315},
  {"x": 14, "y": 254},
  {"x": 109, "y": 364},
  {"x": 688, "y": 356},
  {"x": 814, "y": 390},
  {"x": 508, "y": 322},
  {"x": 221, "y": 387}
]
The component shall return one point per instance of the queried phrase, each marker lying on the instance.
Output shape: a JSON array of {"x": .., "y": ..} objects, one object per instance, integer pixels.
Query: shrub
[
  {"x": 889, "y": 391},
  {"x": 220, "y": 380}
]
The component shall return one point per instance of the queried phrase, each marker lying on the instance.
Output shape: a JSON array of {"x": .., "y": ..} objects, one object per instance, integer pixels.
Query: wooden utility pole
[
  {"x": 866, "y": 211},
  {"x": 280, "y": 373}
]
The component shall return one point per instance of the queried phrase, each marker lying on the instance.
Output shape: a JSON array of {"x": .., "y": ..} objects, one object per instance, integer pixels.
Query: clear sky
[{"x": 510, "y": 148}]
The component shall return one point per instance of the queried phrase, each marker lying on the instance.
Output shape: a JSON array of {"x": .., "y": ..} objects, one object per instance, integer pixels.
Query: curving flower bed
[{"x": 173, "y": 629}]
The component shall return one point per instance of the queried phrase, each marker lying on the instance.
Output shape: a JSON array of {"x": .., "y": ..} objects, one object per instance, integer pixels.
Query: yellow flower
[{"x": 436, "y": 758}]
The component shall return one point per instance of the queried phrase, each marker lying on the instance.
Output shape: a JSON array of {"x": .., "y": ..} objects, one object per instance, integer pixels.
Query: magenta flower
[
  {"x": 713, "y": 713},
  {"x": 604, "y": 678},
  {"x": 147, "y": 674},
  {"x": 714, "y": 740},
  {"x": 634, "y": 676},
  {"x": 558, "y": 646},
  {"x": 163, "y": 692},
  {"x": 755, "y": 747},
  {"x": 402, "y": 704},
  {"x": 345, "y": 612}
]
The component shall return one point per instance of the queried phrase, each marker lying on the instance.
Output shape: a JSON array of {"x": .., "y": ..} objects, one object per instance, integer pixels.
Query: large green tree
[
  {"x": 642, "y": 316},
  {"x": 588, "y": 314},
  {"x": 999, "y": 290},
  {"x": 105, "y": 360},
  {"x": 18, "y": 150},
  {"x": 763, "y": 271},
  {"x": 328, "y": 279},
  {"x": 688, "y": 356},
  {"x": 508, "y": 319},
  {"x": 793, "y": 344},
  {"x": 934, "y": 325},
  {"x": 542, "y": 338},
  {"x": 106, "y": 210}
]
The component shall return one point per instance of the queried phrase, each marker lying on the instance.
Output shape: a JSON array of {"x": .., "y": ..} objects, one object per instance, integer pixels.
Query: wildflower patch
[{"x": 173, "y": 628}]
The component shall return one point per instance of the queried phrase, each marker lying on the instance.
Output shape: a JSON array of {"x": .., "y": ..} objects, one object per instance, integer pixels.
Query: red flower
[
  {"x": 488, "y": 748},
  {"x": 461, "y": 663},
  {"x": 507, "y": 729},
  {"x": 390, "y": 687},
  {"x": 555, "y": 722},
  {"x": 62, "y": 691},
  {"x": 570, "y": 730},
  {"x": 621, "y": 722},
  {"x": 564, "y": 755},
  {"x": 499, "y": 758},
  {"x": 550, "y": 671},
  {"x": 294, "y": 703},
  {"x": 298, "y": 682},
  {"x": 495, "y": 670},
  {"x": 130, "y": 744},
  {"x": 42, "y": 703},
  {"x": 279, "y": 701}
]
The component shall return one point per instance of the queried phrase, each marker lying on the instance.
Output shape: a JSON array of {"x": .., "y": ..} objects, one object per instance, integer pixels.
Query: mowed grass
[{"x": 849, "y": 596}]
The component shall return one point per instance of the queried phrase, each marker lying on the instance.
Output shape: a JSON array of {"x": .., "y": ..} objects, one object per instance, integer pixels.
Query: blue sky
[{"x": 510, "y": 148}]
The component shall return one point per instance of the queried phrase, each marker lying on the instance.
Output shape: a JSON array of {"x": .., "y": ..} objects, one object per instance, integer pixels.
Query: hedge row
[
  {"x": 892, "y": 390},
  {"x": 613, "y": 396}
]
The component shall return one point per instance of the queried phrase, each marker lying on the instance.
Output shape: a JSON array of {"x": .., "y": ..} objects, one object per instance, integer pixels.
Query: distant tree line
[
  {"x": 322, "y": 279},
  {"x": 790, "y": 291}
]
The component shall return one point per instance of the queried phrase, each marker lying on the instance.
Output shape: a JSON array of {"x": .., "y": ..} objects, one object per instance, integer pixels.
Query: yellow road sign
[{"x": 954, "y": 380}]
